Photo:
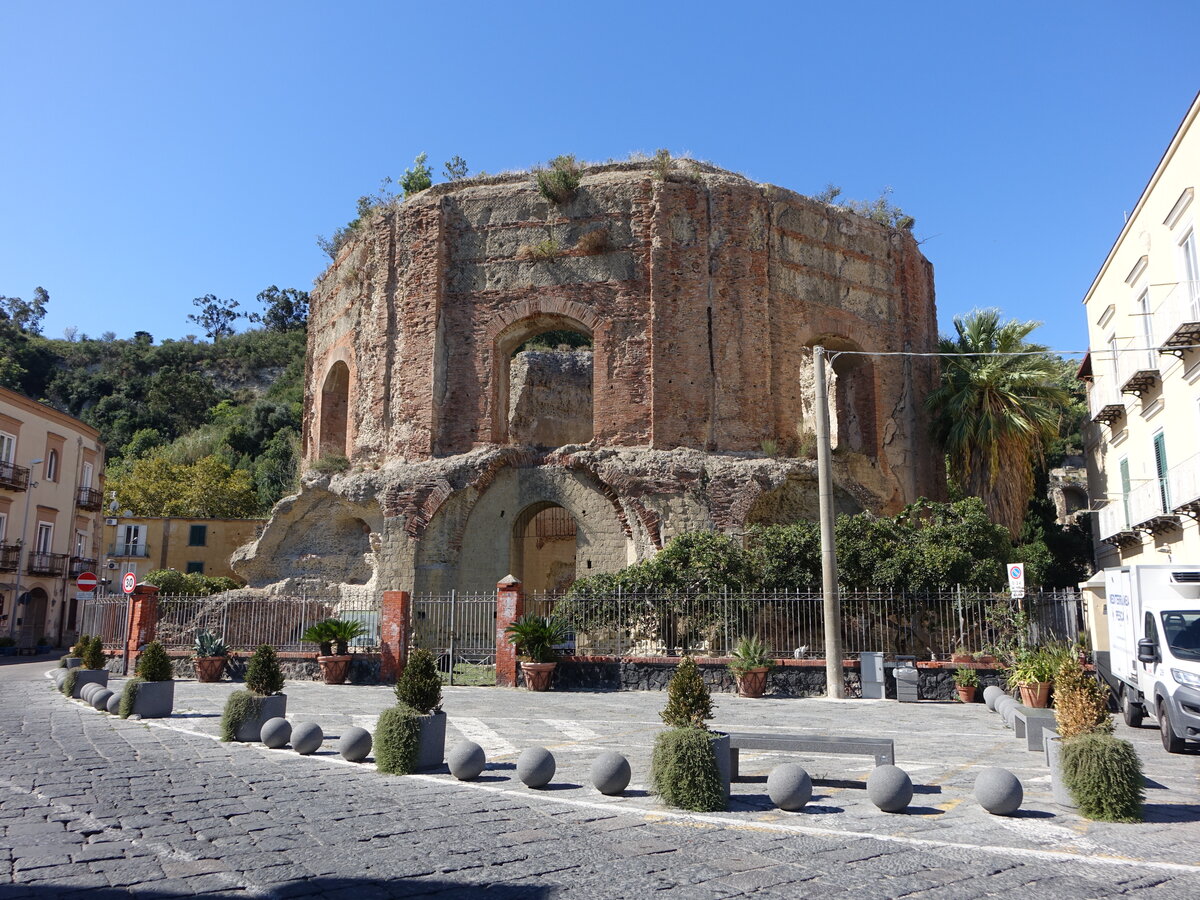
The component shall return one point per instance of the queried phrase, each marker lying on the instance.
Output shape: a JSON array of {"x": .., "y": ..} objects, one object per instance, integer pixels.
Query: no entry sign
[
  {"x": 86, "y": 581},
  {"x": 129, "y": 582}
]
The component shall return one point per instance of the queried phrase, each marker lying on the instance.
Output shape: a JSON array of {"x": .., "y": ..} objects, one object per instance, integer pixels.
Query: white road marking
[
  {"x": 367, "y": 722},
  {"x": 572, "y": 729},
  {"x": 474, "y": 730},
  {"x": 1045, "y": 833}
]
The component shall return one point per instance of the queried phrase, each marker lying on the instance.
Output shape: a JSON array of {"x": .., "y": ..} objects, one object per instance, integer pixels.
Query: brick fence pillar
[
  {"x": 143, "y": 620},
  {"x": 393, "y": 634},
  {"x": 510, "y": 606}
]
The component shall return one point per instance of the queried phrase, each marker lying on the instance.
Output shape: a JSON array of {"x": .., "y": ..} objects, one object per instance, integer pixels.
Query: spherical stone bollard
[
  {"x": 100, "y": 699},
  {"x": 114, "y": 704},
  {"x": 276, "y": 732},
  {"x": 355, "y": 744},
  {"x": 998, "y": 791},
  {"x": 890, "y": 788},
  {"x": 991, "y": 694},
  {"x": 611, "y": 773},
  {"x": 466, "y": 761},
  {"x": 535, "y": 767},
  {"x": 307, "y": 738},
  {"x": 60, "y": 675},
  {"x": 85, "y": 692},
  {"x": 789, "y": 787}
]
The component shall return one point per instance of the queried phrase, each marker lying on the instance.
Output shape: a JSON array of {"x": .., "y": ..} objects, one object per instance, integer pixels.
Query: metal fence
[
  {"x": 106, "y": 616},
  {"x": 792, "y": 624},
  {"x": 460, "y": 630}
]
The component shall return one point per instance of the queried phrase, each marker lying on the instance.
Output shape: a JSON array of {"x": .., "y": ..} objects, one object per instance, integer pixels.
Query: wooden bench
[
  {"x": 883, "y": 749},
  {"x": 1032, "y": 724}
]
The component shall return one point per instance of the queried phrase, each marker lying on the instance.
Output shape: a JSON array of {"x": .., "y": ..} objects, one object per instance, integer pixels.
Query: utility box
[
  {"x": 870, "y": 667},
  {"x": 907, "y": 688}
]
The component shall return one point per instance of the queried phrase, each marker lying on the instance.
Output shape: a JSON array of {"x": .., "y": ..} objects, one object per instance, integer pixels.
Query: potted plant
[
  {"x": 751, "y": 664},
  {"x": 91, "y": 671},
  {"x": 43, "y": 644},
  {"x": 961, "y": 655},
  {"x": 246, "y": 711},
  {"x": 966, "y": 682},
  {"x": 8, "y": 646},
  {"x": 690, "y": 767},
  {"x": 412, "y": 734},
  {"x": 74, "y": 657},
  {"x": 210, "y": 653},
  {"x": 333, "y": 636},
  {"x": 1080, "y": 707},
  {"x": 1032, "y": 671},
  {"x": 151, "y": 693},
  {"x": 534, "y": 638}
]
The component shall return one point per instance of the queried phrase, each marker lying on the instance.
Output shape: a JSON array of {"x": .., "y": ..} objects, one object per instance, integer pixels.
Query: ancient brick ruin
[{"x": 696, "y": 299}]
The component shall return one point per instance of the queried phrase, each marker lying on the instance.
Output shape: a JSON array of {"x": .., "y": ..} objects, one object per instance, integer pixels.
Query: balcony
[
  {"x": 81, "y": 564},
  {"x": 134, "y": 551},
  {"x": 89, "y": 498},
  {"x": 53, "y": 564},
  {"x": 1150, "y": 507},
  {"x": 10, "y": 557},
  {"x": 1114, "y": 526},
  {"x": 1178, "y": 317},
  {"x": 1137, "y": 367},
  {"x": 13, "y": 477},
  {"x": 1183, "y": 483},
  {"x": 1104, "y": 403}
]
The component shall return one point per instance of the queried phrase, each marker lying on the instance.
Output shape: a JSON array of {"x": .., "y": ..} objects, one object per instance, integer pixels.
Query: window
[
  {"x": 52, "y": 466},
  {"x": 198, "y": 536},
  {"x": 1147, "y": 329},
  {"x": 3, "y": 526},
  {"x": 86, "y": 481},
  {"x": 1191, "y": 270},
  {"x": 8, "y": 447},
  {"x": 197, "y": 567},
  {"x": 131, "y": 542},
  {"x": 1124, "y": 469},
  {"x": 80, "y": 544},
  {"x": 1160, "y": 470},
  {"x": 45, "y": 538}
]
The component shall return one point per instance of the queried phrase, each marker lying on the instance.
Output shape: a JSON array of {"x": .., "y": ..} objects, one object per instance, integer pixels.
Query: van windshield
[{"x": 1182, "y": 631}]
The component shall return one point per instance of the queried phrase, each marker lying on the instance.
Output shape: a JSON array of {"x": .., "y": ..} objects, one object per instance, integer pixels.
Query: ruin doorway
[
  {"x": 544, "y": 541},
  {"x": 545, "y": 382},
  {"x": 335, "y": 408}
]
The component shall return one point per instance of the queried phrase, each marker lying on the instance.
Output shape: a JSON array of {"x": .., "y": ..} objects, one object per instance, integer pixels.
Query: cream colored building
[
  {"x": 1143, "y": 316},
  {"x": 140, "y": 545},
  {"x": 51, "y": 491}
]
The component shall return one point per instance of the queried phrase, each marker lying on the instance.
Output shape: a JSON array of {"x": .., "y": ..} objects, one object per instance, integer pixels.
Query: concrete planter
[
  {"x": 720, "y": 746},
  {"x": 154, "y": 699},
  {"x": 1062, "y": 796},
  {"x": 273, "y": 707},
  {"x": 538, "y": 675},
  {"x": 432, "y": 750},
  {"x": 752, "y": 682},
  {"x": 334, "y": 669},
  {"x": 85, "y": 677},
  {"x": 72, "y": 662},
  {"x": 1036, "y": 695},
  {"x": 209, "y": 668}
]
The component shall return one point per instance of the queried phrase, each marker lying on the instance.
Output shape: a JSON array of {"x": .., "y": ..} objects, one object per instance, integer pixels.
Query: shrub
[
  {"x": 1104, "y": 776},
  {"x": 153, "y": 664},
  {"x": 241, "y": 707},
  {"x": 1080, "y": 702},
  {"x": 68, "y": 685},
  {"x": 263, "y": 676},
  {"x": 420, "y": 684},
  {"x": 331, "y": 464},
  {"x": 80, "y": 645},
  {"x": 93, "y": 655},
  {"x": 543, "y": 251},
  {"x": 559, "y": 182},
  {"x": 662, "y": 164},
  {"x": 129, "y": 695},
  {"x": 209, "y": 643},
  {"x": 593, "y": 242},
  {"x": 688, "y": 701},
  {"x": 683, "y": 770},
  {"x": 964, "y": 677},
  {"x": 397, "y": 740}
]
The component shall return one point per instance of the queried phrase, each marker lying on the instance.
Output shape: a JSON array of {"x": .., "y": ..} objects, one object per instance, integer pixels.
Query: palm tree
[{"x": 998, "y": 405}]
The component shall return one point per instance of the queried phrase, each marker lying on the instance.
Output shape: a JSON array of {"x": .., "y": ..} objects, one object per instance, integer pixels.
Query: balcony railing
[
  {"x": 1150, "y": 507},
  {"x": 139, "y": 551},
  {"x": 10, "y": 557},
  {"x": 81, "y": 564},
  {"x": 1105, "y": 402},
  {"x": 13, "y": 477},
  {"x": 1177, "y": 317},
  {"x": 89, "y": 498},
  {"x": 1137, "y": 366},
  {"x": 46, "y": 564},
  {"x": 1183, "y": 482},
  {"x": 1114, "y": 524}
]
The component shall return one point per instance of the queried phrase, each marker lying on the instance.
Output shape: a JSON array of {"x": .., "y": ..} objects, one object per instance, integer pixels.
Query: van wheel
[
  {"x": 1170, "y": 742},
  {"x": 1131, "y": 711}
]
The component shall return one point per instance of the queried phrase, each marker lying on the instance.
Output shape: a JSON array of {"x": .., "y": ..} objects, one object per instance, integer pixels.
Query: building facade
[
  {"x": 51, "y": 493},
  {"x": 1143, "y": 369},
  {"x": 140, "y": 545}
]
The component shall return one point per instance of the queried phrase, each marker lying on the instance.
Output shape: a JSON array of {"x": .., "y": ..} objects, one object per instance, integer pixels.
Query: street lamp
[{"x": 12, "y": 616}]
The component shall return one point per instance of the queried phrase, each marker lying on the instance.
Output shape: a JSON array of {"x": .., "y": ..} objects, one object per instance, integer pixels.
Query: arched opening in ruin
[
  {"x": 543, "y": 548},
  {"x": 851, "y": 387},
  {"x": 335, "y": 409},
  {"x": 544, "y": 382}
]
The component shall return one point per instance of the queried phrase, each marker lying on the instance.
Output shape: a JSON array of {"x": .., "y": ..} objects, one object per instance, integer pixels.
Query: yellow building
[
  {"x": 141, "y": 545},
  {"x": 1143, "y": 316},
  {"x": 51, "y": 491}
]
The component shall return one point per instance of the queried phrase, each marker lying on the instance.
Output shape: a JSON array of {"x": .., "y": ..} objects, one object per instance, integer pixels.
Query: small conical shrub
[
  {"x": 1080, "y": 702},
  {"x": 688, "y": 702},
  {"x": 93, "y": 654},
  {"x": 683, "y": 770},
  {"x": 153, "y": 664},
  {"x": 397, "y": 740},
  {"x": 80, "y": 645},
  {"x": 1104, "y": 776},
  {"x": 420, "y": 684},
  {"x": 263, "y": 675}
]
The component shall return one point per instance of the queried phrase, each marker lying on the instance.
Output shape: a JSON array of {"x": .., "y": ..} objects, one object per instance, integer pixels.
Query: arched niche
[
  {"x": 335, "y": 410},
  {"x": 543, "y": 548},
  {"x": 851, "y": 389},
  {"x": 544, "y": 390}
]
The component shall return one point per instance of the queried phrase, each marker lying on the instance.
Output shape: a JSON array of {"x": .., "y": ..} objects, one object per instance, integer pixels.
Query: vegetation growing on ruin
[
  {"x": 542, "y": 251},
  {"x": 560, "y": 180},
  {"x": 880, "y": 210}
]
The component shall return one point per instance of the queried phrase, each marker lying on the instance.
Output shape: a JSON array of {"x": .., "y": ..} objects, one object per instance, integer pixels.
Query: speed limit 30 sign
[{"x": 129, "y": 582}]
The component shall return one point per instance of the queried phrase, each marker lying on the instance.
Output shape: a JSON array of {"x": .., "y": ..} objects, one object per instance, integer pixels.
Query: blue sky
[{"x": 156, "y": 152}]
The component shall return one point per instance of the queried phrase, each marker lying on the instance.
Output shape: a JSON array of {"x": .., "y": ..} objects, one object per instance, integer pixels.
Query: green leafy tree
[
  {"x": 997, "y": 408},
  {"x": 208, "y": 488},
  {"x": 455, "y": 168},
  {"x": 284, "y": 309},
  {"x": 418, "y": 178},
  {"x": 216, "y": 316}
]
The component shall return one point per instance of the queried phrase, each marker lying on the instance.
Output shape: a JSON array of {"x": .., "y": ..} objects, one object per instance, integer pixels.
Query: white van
[{"x": 1153, "y": 657}]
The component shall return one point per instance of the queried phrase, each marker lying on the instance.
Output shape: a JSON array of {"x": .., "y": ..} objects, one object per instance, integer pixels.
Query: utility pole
[{"x": 829, "y": 573}]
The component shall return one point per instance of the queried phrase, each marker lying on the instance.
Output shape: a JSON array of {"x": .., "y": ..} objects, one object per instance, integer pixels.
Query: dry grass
[
  {"x": 593, "y": 242},
  {"x": 543, "y": 251}
]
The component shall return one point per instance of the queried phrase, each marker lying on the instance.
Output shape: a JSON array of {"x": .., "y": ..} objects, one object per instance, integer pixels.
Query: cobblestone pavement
[{"x": 89, "y": 803}]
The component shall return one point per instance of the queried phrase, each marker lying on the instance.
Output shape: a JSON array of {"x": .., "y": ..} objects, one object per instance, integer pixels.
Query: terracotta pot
[
  {"x": 961, "y": 658},
  {"x": 334, "y": 669},
  {"x": 1037, "y": 695},
  {"x": 538, "y": 675},
  {"x": 966, "y": 694},
  {"x": 752, "y": 682},
  {"x": 209, "y": 668}
]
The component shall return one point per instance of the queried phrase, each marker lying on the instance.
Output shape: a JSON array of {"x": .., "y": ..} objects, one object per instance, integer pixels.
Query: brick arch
[{"x": 535, "y": 307}]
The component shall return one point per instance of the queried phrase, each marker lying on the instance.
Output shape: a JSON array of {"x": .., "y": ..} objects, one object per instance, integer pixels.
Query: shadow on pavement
[{"x": 358, "y": 888}]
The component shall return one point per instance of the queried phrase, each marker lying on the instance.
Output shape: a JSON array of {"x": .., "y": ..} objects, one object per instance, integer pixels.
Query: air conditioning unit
[{"x": 110, "y": 521}]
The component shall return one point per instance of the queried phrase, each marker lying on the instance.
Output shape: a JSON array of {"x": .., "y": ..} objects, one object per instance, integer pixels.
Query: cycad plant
[{"x": 998, "y": 405}]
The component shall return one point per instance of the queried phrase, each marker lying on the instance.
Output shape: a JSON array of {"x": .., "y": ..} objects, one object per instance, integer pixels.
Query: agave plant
[{"x": 209, "y": 643}]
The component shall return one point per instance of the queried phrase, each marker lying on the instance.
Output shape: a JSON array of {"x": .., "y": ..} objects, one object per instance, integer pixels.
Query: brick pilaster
[
  {"x": 143, "y": 620},
  {"x": 510, "y": 606},
  {"x": 393, "y": 634}
]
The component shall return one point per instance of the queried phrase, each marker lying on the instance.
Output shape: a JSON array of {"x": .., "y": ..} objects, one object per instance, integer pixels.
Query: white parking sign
[{"x": 1016, "y": 579}]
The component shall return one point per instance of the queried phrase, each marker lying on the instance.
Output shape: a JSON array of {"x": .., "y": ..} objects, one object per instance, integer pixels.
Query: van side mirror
[{"x": 1147, "y": 651}]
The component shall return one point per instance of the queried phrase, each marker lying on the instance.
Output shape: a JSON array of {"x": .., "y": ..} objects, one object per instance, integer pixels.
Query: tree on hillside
[
  {"x": 216, "y": 316},
  {"x": 284, "y": 309},
  {"x": 208, "y": 488},
  {"x": 26, "y": 315},
  {"x": 996, "y": 410}
]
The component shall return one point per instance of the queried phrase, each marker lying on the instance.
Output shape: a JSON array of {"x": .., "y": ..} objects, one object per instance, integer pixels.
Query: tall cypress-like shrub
[{"x": 1104, "y": 776}]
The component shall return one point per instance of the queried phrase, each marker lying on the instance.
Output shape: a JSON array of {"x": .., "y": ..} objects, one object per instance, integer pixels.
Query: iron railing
[
  {"x": 81, "y": 564},
  {"x": 105, "y": 616},
  {"x": 10, "y": 557},
  {"x": 136, "y": 551},
  {"x": 89, "y": 498},
  {"x": 458, "y": 629},
  {"x": 53, "y": 564},
  {"x": 13, "y": 477}
]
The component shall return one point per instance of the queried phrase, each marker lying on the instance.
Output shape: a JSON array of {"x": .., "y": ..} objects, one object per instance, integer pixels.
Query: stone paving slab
[{"x": 146, "y": 807}]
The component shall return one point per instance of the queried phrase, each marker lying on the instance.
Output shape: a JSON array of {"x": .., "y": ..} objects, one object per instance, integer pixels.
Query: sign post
[{"x": 1016, "y": 580}]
